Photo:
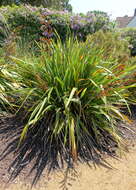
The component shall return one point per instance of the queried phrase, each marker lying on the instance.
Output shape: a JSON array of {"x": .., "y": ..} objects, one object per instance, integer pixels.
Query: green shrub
[
  {"x": 22, "y": 22},
  {"x": 130, "y": 35},
  {"x": 112, "y": 45}
]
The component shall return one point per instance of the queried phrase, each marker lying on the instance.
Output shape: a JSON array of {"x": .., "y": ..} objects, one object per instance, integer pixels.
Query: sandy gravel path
[{"x": 122, "y": 178}]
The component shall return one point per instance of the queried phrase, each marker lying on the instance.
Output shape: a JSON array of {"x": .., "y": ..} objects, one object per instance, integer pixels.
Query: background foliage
[
  {"x": 32, "y": 23},
  {"x": 130, "y": 35},
  {"x": 112, "y": 44},
  {"x": 57, "y": 4}
]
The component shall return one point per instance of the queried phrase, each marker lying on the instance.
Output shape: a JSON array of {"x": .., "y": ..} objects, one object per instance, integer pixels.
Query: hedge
[{"x": 34, "y": 23}]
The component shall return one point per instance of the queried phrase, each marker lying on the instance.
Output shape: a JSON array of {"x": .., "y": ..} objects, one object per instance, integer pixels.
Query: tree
[
  {"x": 66, "y": 5},
  {"x": 57, "y": 4}
]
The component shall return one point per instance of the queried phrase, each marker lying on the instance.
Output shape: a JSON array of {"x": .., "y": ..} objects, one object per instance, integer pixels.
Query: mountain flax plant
[{"x": 72, "y": 101}]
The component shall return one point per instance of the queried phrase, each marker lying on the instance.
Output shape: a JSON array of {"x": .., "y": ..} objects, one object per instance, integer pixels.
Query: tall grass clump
[{"x": 70, "y": 101}]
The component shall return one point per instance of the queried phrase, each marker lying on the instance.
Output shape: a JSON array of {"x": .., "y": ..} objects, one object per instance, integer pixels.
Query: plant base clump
[{"x": 51, "y": 154}]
